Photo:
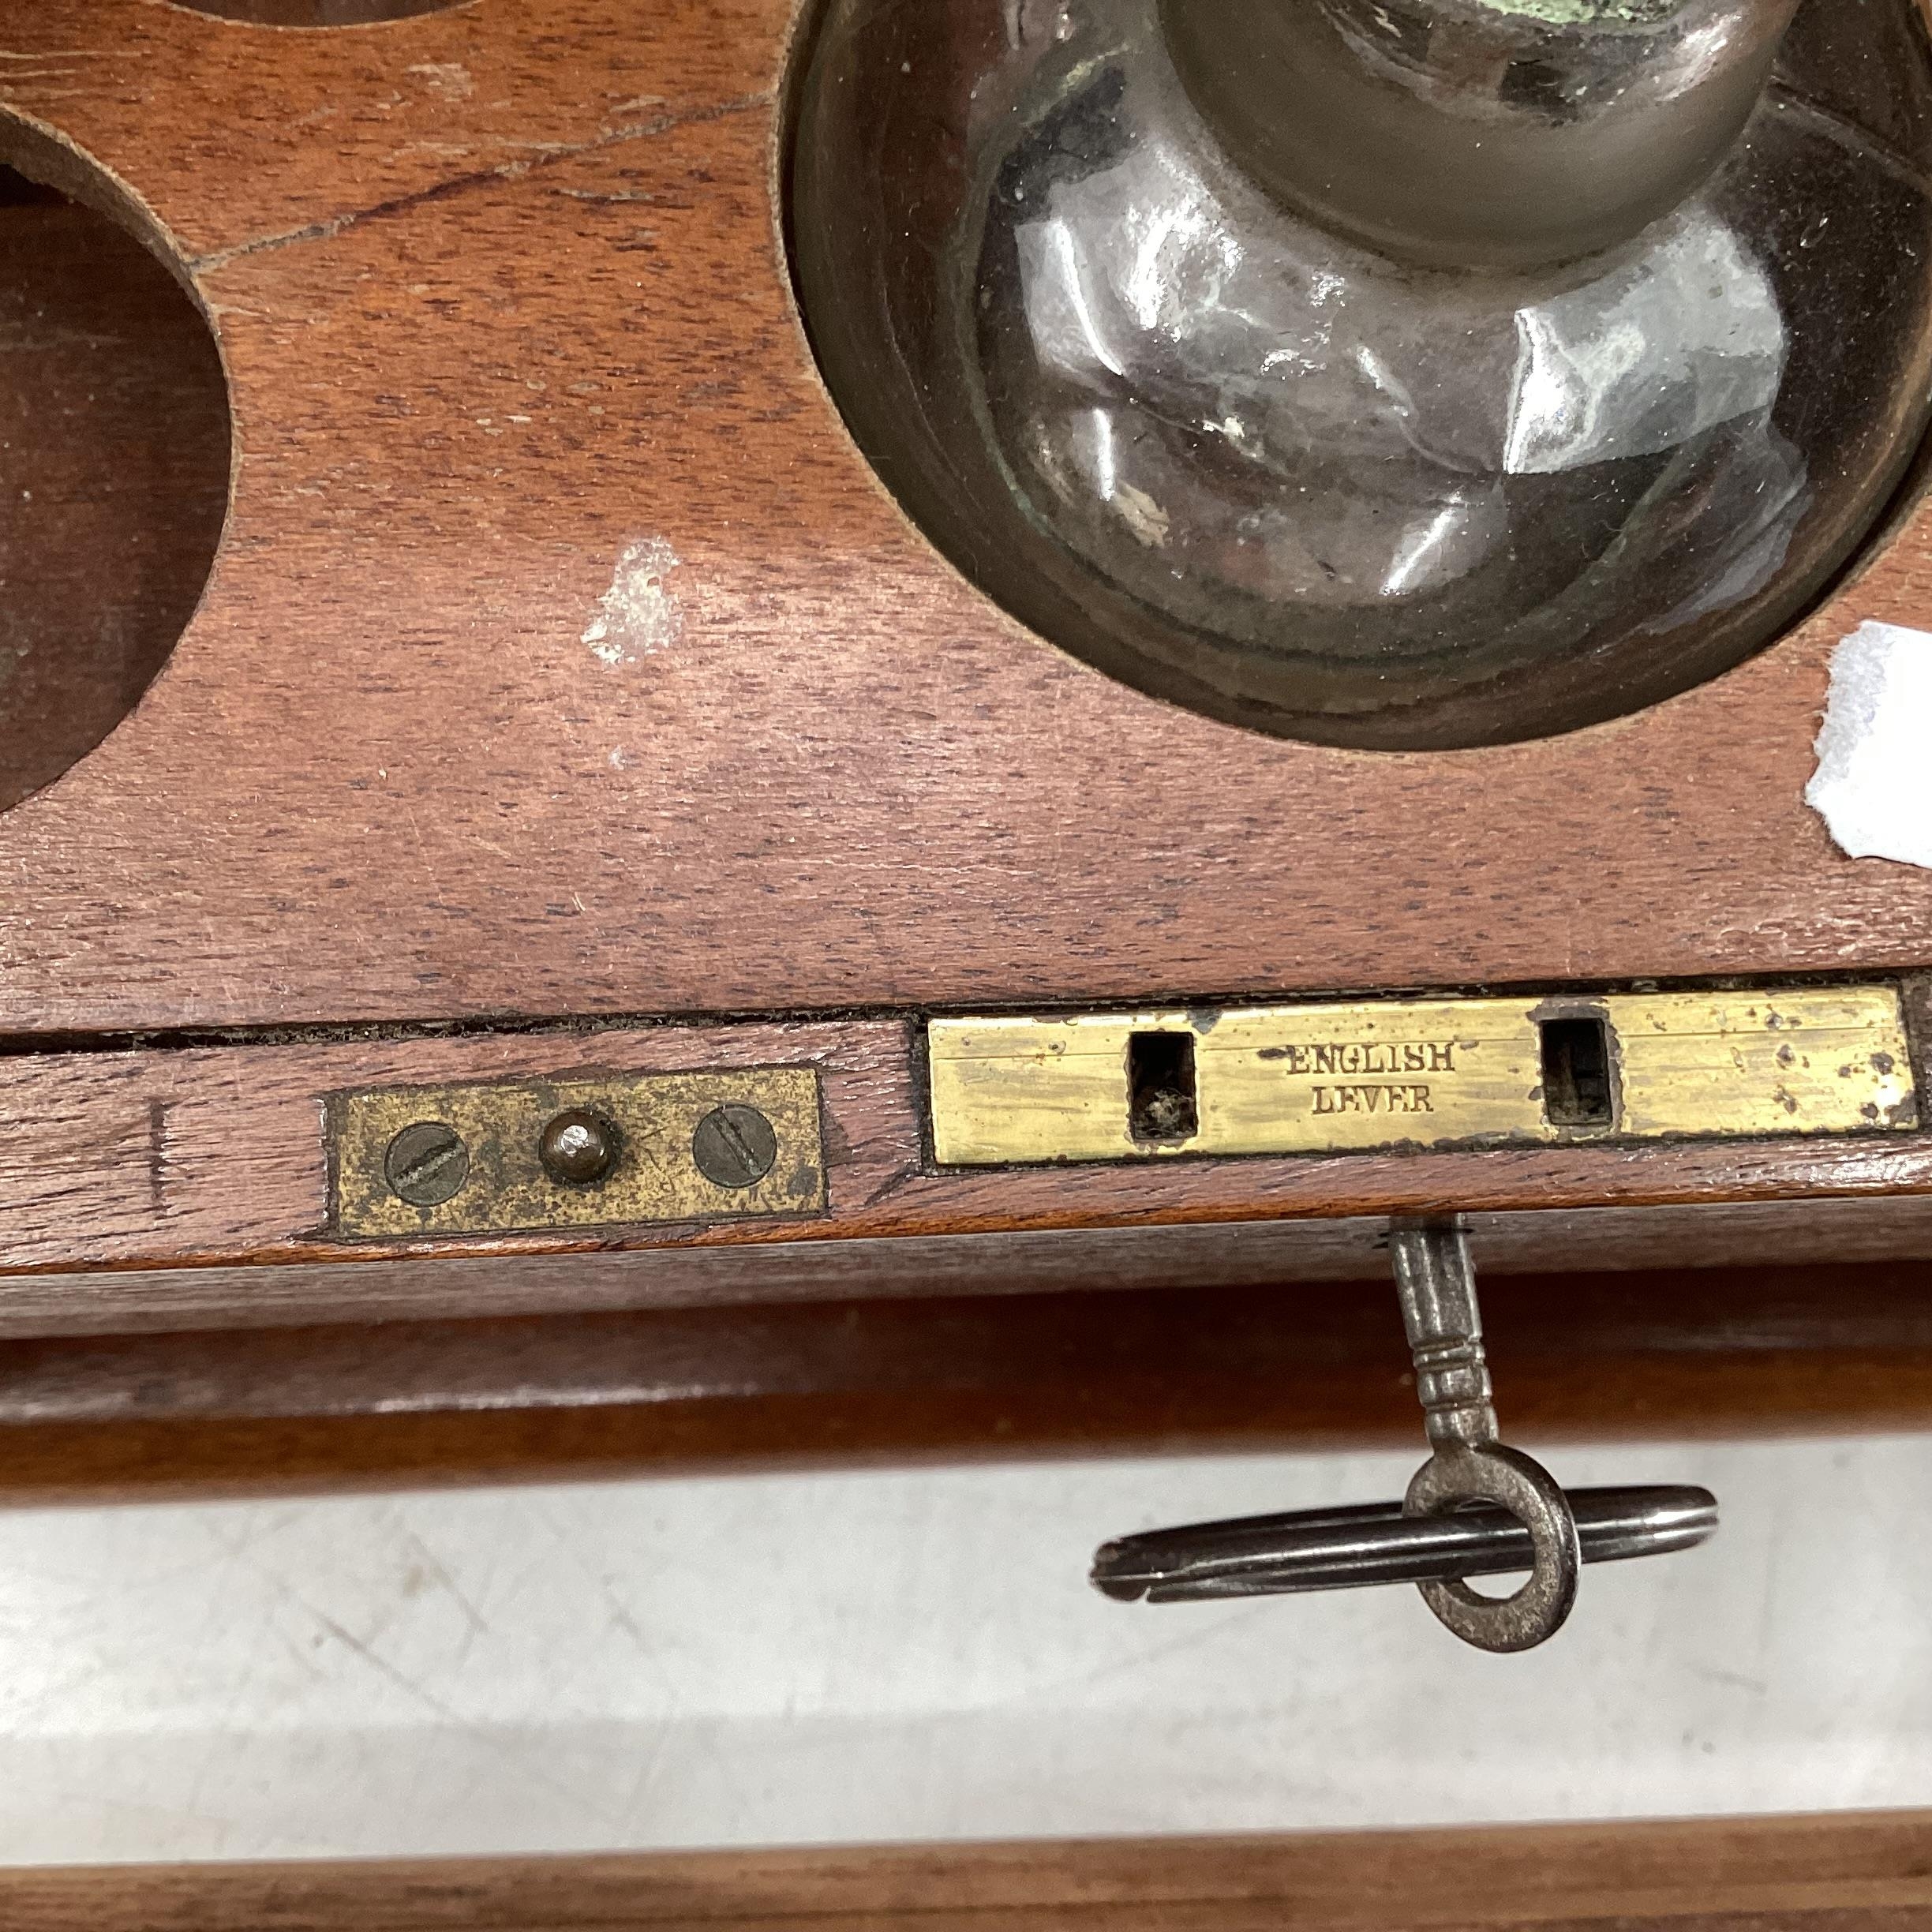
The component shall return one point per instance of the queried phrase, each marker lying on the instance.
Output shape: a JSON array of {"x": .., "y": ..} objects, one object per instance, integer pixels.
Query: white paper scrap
[{"x": 1874, "y": 784}]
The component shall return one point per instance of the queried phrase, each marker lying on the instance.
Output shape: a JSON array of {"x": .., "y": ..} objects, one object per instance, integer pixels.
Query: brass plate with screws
[
  {"x": 497, "y": 1157},
  {"x": 1422, "y": 1073}
]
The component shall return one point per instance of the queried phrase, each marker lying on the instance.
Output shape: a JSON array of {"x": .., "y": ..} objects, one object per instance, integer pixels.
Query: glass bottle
[{"x": 1395, "y": 374}]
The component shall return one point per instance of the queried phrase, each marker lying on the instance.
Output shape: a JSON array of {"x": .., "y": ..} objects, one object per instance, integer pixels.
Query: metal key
[
  {"x": 1476, "y": 1508},
  {"x": 1376, "y": 1544}
]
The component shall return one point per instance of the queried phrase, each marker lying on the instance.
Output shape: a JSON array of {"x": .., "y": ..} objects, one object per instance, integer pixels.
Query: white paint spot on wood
[
  {"x": 637, "y": 615},
  {"x": 1872, "y": 787},
  {"x": 450, "y": 79}
]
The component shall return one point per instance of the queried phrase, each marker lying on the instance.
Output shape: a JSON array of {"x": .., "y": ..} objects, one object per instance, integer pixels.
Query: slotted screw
[
  {"x": 426, "y": 1163},
  {"x": 735, "y": 1146}
]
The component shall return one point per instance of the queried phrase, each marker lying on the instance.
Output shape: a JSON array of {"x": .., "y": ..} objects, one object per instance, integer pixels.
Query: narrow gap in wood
[{"x": 1093, "y": 1373}]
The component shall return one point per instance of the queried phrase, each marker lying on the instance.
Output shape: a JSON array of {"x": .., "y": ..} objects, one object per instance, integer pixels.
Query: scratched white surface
[
  {"x": 1870, "y": 787},
  {"x": 874, "y": 1657}
]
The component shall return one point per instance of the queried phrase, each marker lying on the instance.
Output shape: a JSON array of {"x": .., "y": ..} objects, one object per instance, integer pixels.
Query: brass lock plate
[
  {"x": 469, "y": 1159},
  {"x": 1423, "y": 1073}
]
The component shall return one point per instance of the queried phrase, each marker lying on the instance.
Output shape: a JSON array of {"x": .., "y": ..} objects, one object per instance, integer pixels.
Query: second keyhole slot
[
  {"x": 1162, "y": 1106},
  {"x": 1577, "y": 1089}
]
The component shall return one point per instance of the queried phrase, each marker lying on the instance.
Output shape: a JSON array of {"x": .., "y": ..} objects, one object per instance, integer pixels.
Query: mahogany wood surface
[
  {"x": 1850, "y": 1873},
  {"x": 500, "y": 293},
  {"x": 1151, "y": 1371},
  {"x": 315, "y": 12},
  {"x": 750, "y": 1274},
  {"x": 155, "y": 1159}
]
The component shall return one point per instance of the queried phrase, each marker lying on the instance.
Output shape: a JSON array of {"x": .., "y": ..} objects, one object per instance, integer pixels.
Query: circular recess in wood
[
  {"x": 114, "y": 475},
  {"x": 315, "y": 12}
]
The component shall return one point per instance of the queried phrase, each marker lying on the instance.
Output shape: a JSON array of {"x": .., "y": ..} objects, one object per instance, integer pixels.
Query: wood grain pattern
[
  {"x": 500, "y": 295},
  {"x": 1850, "y": 1873},
  {"x": 1212, "y": 1369},
  {"x": 135, "y": 1300}
]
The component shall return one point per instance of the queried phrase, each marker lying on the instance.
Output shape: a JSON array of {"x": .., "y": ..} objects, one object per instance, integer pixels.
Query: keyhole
[
  {"x": 1577, "y": 1089},
  {"x": 1162, "y": 1106}
]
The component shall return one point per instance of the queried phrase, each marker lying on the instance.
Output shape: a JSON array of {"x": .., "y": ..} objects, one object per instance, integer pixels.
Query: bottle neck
[{"x": 1478, "y": 133}]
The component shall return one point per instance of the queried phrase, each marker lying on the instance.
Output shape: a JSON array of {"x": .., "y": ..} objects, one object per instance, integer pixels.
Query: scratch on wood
[
  {"x": 461, "y": 184},
  {"x": 157, "y": 1155},
  {"x": 893, "y": 1182}
]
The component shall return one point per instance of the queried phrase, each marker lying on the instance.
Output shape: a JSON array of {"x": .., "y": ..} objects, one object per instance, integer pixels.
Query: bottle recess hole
[
  {"x": 1162, "y": 1104},
  {"x": 1576, "y": 1074}
]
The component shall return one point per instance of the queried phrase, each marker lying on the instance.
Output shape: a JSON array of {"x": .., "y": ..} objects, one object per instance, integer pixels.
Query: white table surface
[{"x": 787, "y": 1659}]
